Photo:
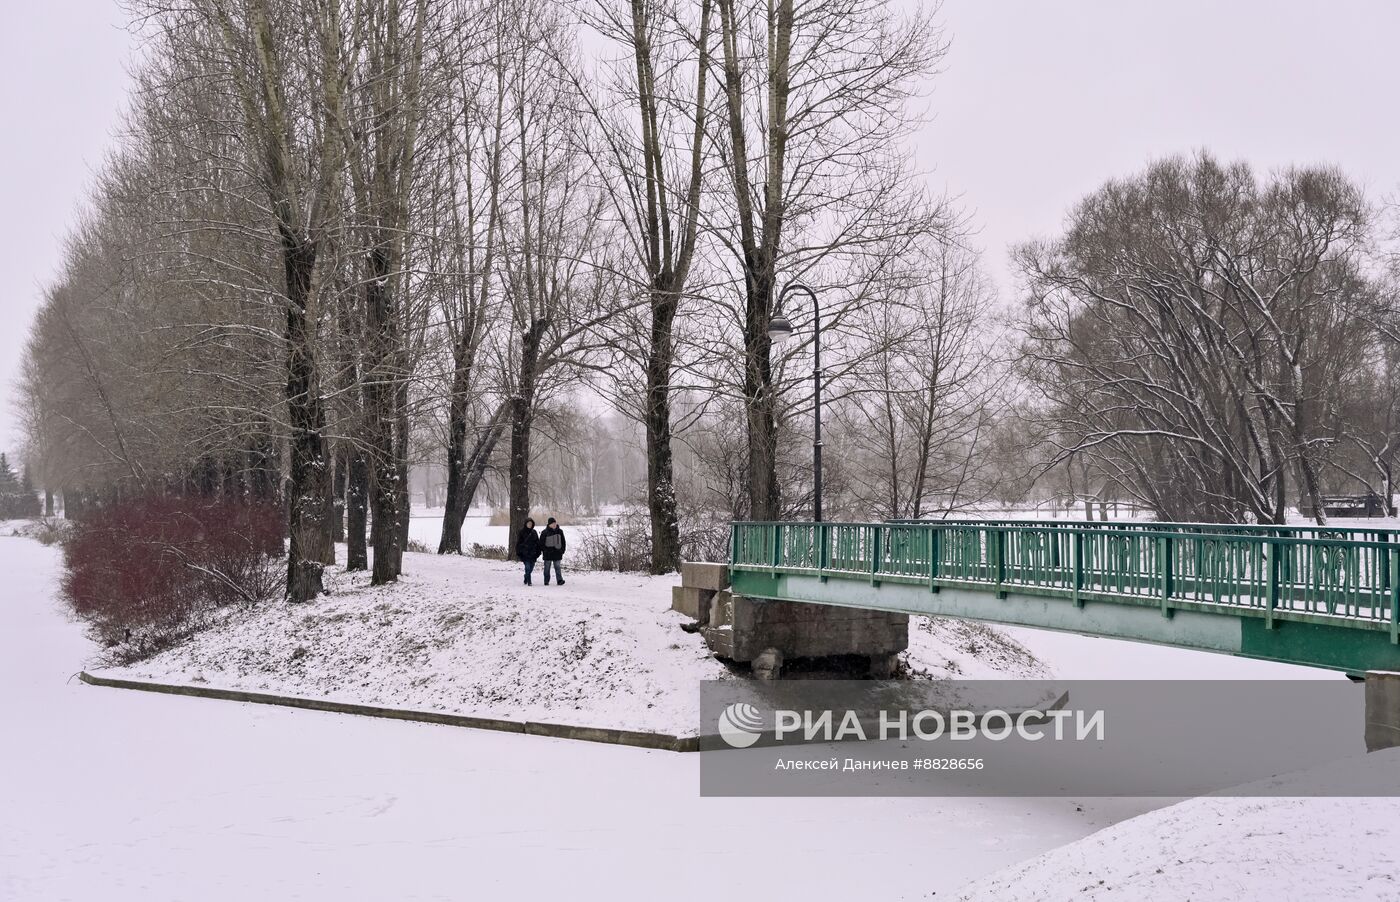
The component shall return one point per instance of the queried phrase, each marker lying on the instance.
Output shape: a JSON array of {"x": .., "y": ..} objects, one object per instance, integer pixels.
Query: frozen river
[{"x": 110, "y": 794}]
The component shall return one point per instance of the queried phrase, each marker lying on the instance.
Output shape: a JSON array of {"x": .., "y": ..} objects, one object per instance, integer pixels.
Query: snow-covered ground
[
  {"x": 1291, "y": 848},
  {"x": 116, "y": 795},
  {"x": 462, "y": 634}
]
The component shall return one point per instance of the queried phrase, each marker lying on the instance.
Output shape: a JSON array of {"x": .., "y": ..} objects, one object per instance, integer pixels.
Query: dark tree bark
[
  {"x": 309, "y": 487},
  {"x": 668, "y": 266},
  {"x": 760, "y": 234},
  {"x": 357, "y": 512},
  {"x": 401, "y": 436},
  {"x": 454, "y": 508},
  {"x": 521, "y": 422},
  {"x": 338, "y": 481},
  {"x": 661, "y": 486},
  {"x": 380, "y": 396},
  {"x": 465, "y": 471},
  {"x": 481, "y": 457}
]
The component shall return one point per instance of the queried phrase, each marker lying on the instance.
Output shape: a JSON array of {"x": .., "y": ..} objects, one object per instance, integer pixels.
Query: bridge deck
[{"x": 1337, "y": 590}]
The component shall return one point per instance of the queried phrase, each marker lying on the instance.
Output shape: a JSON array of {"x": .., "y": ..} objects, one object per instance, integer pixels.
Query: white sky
[{"x": 1039, "y": 103}]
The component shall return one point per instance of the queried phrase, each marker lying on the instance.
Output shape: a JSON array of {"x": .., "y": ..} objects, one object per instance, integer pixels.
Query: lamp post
[{"x": 779, "y": 328}]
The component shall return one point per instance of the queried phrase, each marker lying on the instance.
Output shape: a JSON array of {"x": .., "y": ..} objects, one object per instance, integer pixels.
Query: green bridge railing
[
  {"x": 1300, "y": 531},
  {"x": 1338, "y": 577}
]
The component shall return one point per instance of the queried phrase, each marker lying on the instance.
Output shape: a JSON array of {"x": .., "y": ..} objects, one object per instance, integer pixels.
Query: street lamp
[{"x": 779, "y": 328}]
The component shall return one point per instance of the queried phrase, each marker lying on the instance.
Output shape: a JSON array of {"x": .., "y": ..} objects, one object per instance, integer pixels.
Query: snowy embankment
[
  {"x": 463, "y": 635},
  {"x": 1241, "y": 849},
  {"x": 121, "y": 796}
]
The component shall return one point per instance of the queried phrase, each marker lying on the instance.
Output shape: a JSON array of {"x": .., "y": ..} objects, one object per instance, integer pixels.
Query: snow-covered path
[{"x": 112, "y": 795}]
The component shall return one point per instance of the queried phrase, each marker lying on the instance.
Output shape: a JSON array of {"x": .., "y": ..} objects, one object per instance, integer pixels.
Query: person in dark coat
[
  {"x": 553, "y": 543},
  {"x": 527, "y": 548}
]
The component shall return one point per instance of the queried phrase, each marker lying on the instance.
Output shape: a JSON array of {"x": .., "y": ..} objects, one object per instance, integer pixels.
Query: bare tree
[
  {"x": 1188, "y": 332},
  {"x": 476, "y": 145},
  {"x": 816, "y": 117},
  {"x": 920, "y": 421},
  {"x": 652, "y": 173}
]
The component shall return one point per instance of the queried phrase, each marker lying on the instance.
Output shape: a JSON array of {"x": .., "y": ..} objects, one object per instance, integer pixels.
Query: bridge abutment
[
  {"x": 1382, "y": 710},
  {"x": 765, "y": 633}
]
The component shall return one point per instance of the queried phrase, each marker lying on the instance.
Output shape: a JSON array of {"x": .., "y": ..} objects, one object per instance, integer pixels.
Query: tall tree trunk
[
  {"x": 764, "y": 500},
  {"x": 309, "y": 489},
  {"x": 481, "y": 455},
  {"x": 465, "y": 471},
  {"x": 401, "y": 437},
  {"x": 338, "y": 481},
  {"x": 519, "y": 469},
  {"x": 454, "y": 512},
  {"x": 357, "y": 511},
  {"x": 760, "y": 245},
  {"x": 380, "y": 396},
  {"x": 661, "y": 487},
  {"x": 521, "y": 417}
]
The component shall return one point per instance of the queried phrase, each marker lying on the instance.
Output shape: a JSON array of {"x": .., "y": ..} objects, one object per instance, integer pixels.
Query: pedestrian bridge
[{"x": 1316, "y": 596}]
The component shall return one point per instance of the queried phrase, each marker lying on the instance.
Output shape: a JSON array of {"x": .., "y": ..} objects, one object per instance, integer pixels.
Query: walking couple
[{"x": 531, "y": 545}]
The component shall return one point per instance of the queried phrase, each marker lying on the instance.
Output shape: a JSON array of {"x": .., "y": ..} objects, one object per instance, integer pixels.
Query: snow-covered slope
[
  {"x": 462, "y": 634},
  {"x": 1236, "y": 849}
]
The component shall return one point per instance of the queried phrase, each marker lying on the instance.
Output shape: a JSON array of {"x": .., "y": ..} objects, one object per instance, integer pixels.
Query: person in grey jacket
[{"x": 552, "y": 544}]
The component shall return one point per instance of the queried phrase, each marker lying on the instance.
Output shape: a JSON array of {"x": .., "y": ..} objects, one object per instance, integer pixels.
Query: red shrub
[{"x": 147, "y": 573}]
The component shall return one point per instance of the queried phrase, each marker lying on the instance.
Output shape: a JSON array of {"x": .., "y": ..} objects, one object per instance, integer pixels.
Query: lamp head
[{"x": 779, "y": 328}]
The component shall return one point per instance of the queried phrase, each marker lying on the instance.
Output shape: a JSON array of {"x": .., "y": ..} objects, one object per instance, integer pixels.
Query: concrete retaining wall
[
  {"x": 661, "y": 741},
  {"x": 1382, "y": 710}
]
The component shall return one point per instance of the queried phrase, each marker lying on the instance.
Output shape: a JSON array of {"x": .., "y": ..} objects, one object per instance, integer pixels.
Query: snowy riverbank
[
  {"x": 259, "y": 801},
  {"x": 118, "y": 796},
  {"x": 463, "y": 635},
  {"x": 1292, "y": 848}
]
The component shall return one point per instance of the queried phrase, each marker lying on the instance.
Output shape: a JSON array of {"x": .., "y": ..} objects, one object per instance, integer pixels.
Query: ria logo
[{"x": 740, "y": 725}]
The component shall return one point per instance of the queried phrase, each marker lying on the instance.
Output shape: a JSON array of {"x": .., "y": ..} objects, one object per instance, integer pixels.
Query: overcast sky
[{"x": 1039, "y": 103}]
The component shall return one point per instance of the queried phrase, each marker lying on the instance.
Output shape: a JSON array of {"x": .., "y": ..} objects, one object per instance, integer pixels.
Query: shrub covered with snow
[
  {"x": 624, "y": 547},
  {"x": 149, "y": 572}
]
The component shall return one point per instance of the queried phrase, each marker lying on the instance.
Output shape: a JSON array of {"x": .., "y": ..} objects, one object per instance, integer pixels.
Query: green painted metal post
[
  {"x": 1078, "y": 567},
  {"x": 1394, "y": 551},
  {"x": 935, "y": 543},
  {"x": 1166, "y": 555},
  {"x": 1000, "y": 561},
  {"x": 1164, "y": 559},
  {"x": 777, "y": 546},
  {"x": 876, "y": 552},
  {"x": 1382, "y": 562},
  {"x": 1272, "y": 592}
]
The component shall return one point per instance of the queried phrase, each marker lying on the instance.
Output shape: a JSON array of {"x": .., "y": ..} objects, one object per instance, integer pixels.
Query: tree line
[
  {"x": 340, "y": 240},
  {"x": 1216, "y": 345}
]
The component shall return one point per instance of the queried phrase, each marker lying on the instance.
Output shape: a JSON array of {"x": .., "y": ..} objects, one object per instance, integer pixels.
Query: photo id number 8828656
[{"x": 948, "y": 764}]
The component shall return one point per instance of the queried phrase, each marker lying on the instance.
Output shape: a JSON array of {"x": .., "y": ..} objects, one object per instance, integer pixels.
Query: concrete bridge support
[
  {"x": 1382, "y": 710},
  {"x": 765, "y": 634}
]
